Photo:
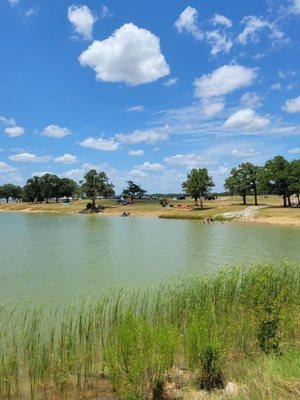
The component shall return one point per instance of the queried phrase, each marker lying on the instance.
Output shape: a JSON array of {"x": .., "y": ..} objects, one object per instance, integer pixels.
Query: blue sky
[{"x": 147, "y": 90}]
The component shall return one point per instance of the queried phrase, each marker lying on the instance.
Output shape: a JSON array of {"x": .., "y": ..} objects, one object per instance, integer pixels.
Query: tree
[
  {"x": 96, "y": 184},
  {"x": 198, "y": 184},
  {"x": 278, "y": 178},
  {"x": 9, "y": 190},
  {"x": 237, "y": 183},
  {"x": 133, "y": 191},
  {"x": 295, "y": 179},
  {"x": 243, "y": 180},
  {"x": 67, "y": 187},
  {"x": 50, "y": 186},
  {"x": 32, "y": 190}
]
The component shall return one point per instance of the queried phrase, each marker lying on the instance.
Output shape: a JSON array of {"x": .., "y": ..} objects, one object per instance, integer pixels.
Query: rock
[{"x": 231, "y": 389}]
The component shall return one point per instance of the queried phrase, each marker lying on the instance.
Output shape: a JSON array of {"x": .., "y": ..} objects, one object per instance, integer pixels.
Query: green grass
[{"x": 242, "y": 323}]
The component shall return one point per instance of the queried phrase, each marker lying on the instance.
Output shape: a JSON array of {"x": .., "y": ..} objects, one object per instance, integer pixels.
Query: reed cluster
[{"x": 127, "y": 341}]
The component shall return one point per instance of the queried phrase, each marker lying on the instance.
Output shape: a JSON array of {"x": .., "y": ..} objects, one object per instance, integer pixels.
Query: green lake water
[{"x": 62, "y": 259}]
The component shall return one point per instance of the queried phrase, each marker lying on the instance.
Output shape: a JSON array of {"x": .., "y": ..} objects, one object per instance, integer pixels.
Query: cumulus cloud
[
  {"x": 136, "y": 108},
  {"x": 28, "y": 157},
  {"x": 224, "y": 80},
  {"x": 170, "y": 82},
  {"x": 246, "y": 119},
  {"x": 152, "y": 135},
  {"x": 188, "y": 22},
  {"x": 55, "y": 131},
  {"x": 255, "y": 24},
  {"x": 295, "y": 150},
  {"x": 147, "y": 166},
  {"x": 100, "y": 144},
  {"x": 14, "y": 131},
  {"x": 82, "y": 20},
  {"x": 136, "y": 153},
  {"x": 219, "y": 19},
  {"x": 66, "y": 159},
  {"x": 131, "y": 55},
  {"x": 219, "y": 41},
  {"x": 251, "y": 100},
  {"x": 292, "y": 105},
  {"x": 189, "y": 160},
  {"x": 6, "y": 168}
]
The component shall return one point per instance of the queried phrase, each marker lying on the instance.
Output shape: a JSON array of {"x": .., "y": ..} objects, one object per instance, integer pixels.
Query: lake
[{"x": 62, "y": 259}]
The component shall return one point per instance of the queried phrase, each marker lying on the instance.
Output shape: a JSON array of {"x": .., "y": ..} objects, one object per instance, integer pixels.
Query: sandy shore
[{"x": 244, "y": 216}]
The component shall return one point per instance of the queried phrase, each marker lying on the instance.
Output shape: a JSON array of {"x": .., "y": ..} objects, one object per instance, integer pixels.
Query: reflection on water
[{"x": 65, "y": 258}]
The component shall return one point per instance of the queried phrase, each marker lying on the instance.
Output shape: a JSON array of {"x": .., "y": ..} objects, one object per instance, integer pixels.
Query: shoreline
[{"x": 281, "y": 221}]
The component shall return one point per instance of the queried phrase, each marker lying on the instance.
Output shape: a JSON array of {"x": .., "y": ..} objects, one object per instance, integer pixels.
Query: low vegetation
[{"x": 190, "y": 336}]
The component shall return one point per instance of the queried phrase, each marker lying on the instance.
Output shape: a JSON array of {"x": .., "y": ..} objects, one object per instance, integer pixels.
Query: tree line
[{"x": 278, "y": 176}]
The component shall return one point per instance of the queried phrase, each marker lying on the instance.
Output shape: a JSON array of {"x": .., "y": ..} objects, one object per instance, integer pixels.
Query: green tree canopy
[
  {"x": 9, "y": 190},
  {"x": 295, "y": 178},
  {"x": 244, "y": 180},
  {"x": 96, "y": 184},
  {"x": 133, "y": 191},
  {"x": 198, "y": 184},
  {"x": 278, "y": 178}
]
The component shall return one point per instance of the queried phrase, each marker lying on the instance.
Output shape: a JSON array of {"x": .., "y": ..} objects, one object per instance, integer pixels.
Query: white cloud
[
  {"x": 188, "y": 22},
  {"x": 131, "y": 55},
  {"x": 136, "y": 153},
  {"x": 170, "y": 82},
  {"x": 6, "y": 168},
  {"x": 147, "y": 166},
  {"x": 100, "y": 144},
  {"x": 224, "y": 80},
  {"x": 136, "y": 108},
  {"x": 7, "y": 121},
  {"x": 28, "y": 157},
  {"x": 212, "y": 107},
  {"x": 296, "y": 150},
  {"x": 246, "y": 119},
  {"x": 66, "y": 159},
  {"x": 137, "y": 173},
  {"x": 31, "y": 12},
  {"x": 13, "y": 2},
  {"x": 292, "y": 105},
  {"x": 296, "y": 6},
  {"x": 152, "y": 135},
  {"x": 55, "y": 131},
  {"x": 11, "y": 129},
  {"x": 255, "y": 24},
  {"x": 189, "y": 160},
  {"x": 219, "y": 42},
  {"x": 251, "y": 100},
  {"x": 244, "y": 153},
  {"x": 14, "y": 131},
  {"x": 276, "y": 86},
  {"x": 221, "y": 20},
  {"x": 76, "y": 174},
  {"x": 82, "y": 19}
]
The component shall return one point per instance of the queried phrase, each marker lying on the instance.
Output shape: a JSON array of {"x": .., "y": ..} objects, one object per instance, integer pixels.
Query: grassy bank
[
  {"x": 270, "y": 211},
  {"x": 198, "y": 332}
]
